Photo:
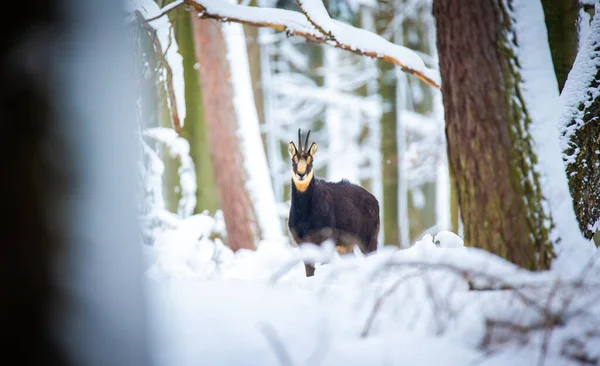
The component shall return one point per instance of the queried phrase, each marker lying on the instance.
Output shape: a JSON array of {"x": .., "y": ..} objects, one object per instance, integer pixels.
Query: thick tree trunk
[
  {"x": 70, "y": 262},
  {"x": 487, "y": 128},
  {"x": 561, "y": 21},
  {"x": 219, "y": 114}
]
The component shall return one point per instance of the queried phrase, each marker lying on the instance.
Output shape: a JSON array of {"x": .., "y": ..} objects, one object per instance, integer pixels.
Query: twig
[
  {"x": 468, "y": 274},
  {"x": 319, "y": 27},
  {"x": 379, "y": 303},
  {"x": 169, "y": 82},
  {"x": 172, "y": 6},
  {"x": 274, "y": 340},
  {"x": 292, "y": 23}
]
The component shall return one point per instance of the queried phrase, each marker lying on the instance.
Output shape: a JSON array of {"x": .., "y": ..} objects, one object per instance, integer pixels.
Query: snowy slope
[{"x": 211, "y": 306}]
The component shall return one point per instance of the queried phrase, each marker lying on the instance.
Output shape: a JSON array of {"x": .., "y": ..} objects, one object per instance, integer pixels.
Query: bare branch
[
  {"x": 379, "y": 303},
  {"x": 172, "y": 6},
  {"x": 295, "y": 23},
  {"x": 275, "y": 341},
  {"x": 169, "y": 72}
]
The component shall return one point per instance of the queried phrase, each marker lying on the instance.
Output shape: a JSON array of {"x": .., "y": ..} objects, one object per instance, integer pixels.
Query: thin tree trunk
[
  {"x": 580, "y": 130},
  {"x": 487, "y": 128},
  {"x": 194, "y": 128},
  {"x": 415, "y": 35},
  {"x": 561, "y": 20},
  {"x": 389, "y": 158},
  {"x": 219, "y": 114},
  {"x": 389, "y": 144}
]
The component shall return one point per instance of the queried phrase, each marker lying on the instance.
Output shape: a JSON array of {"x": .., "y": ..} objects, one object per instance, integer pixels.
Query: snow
[
  {"x": 178, "y": 148},
  {"x": 377, "y": 309},
  {"x": 164, "y": 32},
  {"x": 258, "y": 182},
  {"x": 540, "y": 93},
  {"x": 354, "y": 38},
  {"x": 576, "y": 87}
]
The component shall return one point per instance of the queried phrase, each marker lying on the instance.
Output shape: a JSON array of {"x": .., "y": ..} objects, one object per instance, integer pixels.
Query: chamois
[{"x": 344, "y": 212}]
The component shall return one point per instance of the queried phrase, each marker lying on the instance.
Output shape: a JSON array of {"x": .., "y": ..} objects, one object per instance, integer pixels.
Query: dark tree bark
[
  {"x": 56, "y": 92},
  {"x": 30, "y": 240},
  {"x": 561, "y": 20},
  {"x": 219, "y": 114},
  {"x": 489, "y": 145},
  {"x": 580, "y": 132}
]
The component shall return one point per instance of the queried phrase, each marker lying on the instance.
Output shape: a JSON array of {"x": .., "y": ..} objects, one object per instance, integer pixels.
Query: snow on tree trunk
[
  {"x": 343, "y": 149},
  {"x": 489, "y": 131},
  {"x": 539, "y": 91},
  {"x": 258, "y": 182},
  {"x": 219, "y": 114},
  {"x": 580, "y": 130},
  {"x": 173, "y": 69}
]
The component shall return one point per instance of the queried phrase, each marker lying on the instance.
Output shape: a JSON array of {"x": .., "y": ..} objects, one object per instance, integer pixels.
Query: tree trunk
[
  {"x": 487, "y": 128},
  {"x": 389, "y": 144},
  {"x": 258, "y": 179},
  {"x": 389, "y": 158},
  {"x": 414, "y": 33},
  {"x": 194, "y": 128},
  {"x": 561, "y": 21},
  {"x": 70, "y": 260},
  {"x": 219, "y": 114},
  {"x": 580, "y": 130}
]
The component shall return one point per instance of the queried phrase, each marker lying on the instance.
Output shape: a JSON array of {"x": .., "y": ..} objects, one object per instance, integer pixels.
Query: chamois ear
[
  {"x": 313, "y": 149},
  {"x": 292, "y": 149}
]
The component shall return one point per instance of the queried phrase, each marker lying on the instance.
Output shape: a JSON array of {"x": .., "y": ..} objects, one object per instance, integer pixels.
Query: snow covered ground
[{"x": 210, "y": 306}]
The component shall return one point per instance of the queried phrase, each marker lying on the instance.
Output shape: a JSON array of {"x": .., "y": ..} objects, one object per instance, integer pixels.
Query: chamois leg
[
  {"x": 372, "y": 242},
  {"x": 310, "y": 269}
]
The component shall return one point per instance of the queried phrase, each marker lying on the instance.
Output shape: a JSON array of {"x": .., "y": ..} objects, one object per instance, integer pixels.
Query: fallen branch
[
  {"x": 380, "y": 300},
  {"x": 319, "y": 29}
]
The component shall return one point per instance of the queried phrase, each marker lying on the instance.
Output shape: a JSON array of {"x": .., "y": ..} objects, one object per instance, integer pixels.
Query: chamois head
[{"x": 302, "y": 159}]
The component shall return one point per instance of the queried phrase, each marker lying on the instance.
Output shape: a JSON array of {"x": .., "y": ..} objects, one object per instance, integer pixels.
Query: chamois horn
[
  {"x": 299, "y": 141},
  {"x": 306, "y": 141}
]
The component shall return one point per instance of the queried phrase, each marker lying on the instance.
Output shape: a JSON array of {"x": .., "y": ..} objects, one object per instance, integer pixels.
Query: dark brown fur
[{"x": 344, "y": 212}]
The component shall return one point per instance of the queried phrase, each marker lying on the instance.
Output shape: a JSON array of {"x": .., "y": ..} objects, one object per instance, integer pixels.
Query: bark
[
  {"x": 580, "y": 132},
  {"x": 254, "y": 49},
  {"x": 219, "y": 114},
  {"x": 64, "y": 121},
  {"x": 195, "y": 129},
  {"x": 561, "y": 20},
  {"x": 490, "y": 148}
]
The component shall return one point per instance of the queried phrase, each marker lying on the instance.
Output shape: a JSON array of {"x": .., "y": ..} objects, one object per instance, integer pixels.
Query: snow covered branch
[{"x": 315, "y": 26}]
